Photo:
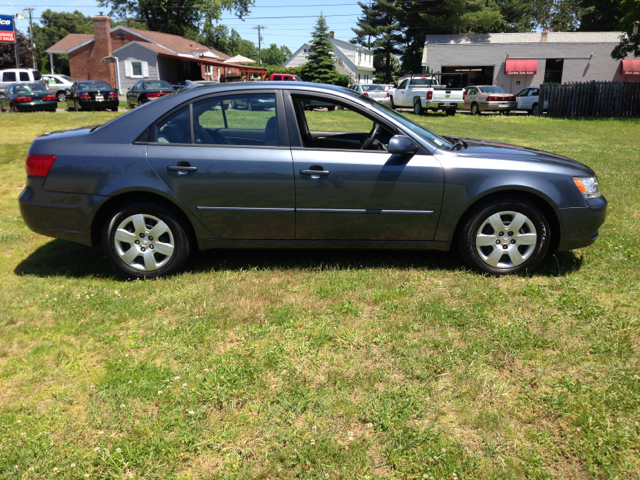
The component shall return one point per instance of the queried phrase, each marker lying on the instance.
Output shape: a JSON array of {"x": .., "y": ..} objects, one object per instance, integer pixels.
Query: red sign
[
  {"x": 7, "y": 37},
  {"x": 521, "y": 67},
  {"x": 630, "y": 67}
]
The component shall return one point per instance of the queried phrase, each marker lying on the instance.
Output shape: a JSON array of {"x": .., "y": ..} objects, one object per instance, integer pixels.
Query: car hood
[{"x": 477, "y": 148}]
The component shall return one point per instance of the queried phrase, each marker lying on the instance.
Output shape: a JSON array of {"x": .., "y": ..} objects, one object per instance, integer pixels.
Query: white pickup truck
[{"x": 423, "y": 91}]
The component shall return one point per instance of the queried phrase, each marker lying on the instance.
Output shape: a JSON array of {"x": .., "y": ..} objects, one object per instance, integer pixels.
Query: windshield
[
  {"x": 493, "y": 90},
  {"x": 93, "y": 86},
  {"x": 415, "y": 127},
  {"x": 29, "y": 88},
  {"x": 370, "y": 88},
  {"x": 159, "y": 84}
]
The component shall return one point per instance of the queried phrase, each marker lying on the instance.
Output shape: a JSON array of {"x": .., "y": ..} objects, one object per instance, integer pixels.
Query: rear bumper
[
  {"x": 59, "y": 215},
  {"x": 498, "y": 106},
  {"x": 579, "y": 226},
  {"x": 442, "y": 105},
  {"x": 102, "y": 104},
  {"x": 36, "y": 107}
]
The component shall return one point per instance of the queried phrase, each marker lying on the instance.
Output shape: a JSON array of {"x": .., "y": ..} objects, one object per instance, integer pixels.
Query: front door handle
[
  {"x": 183, "y": 168},
  {"x": 315, "y": 173}
]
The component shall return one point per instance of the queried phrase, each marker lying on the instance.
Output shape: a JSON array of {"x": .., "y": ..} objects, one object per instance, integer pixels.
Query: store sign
[{"x": 7, "y": 33}]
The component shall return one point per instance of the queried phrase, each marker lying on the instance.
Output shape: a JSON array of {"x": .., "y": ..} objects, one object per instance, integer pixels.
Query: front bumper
[
  {"x": 579, "y": 226},
  {"x": 498, "y": 106},
  {"x": 59, "y": 215}
]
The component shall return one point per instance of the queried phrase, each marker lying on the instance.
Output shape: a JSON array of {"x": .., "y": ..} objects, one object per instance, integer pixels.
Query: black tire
[
  {"x": 129, "y": 106},
  {"x": 392, "y": 105},
  {"x": 331, "y": 109},
  {"x": 451, "y": 112},
  {"x": 13, "y": 109},
  {"x": 61, "y": 96},
  {"x": 417, "y": 107},
  {"x": 504, "y": 252},
  {"x": 148, "y": 249},
  {"x": 1, "y": 108},
  {"x": 534, "y": 109},
  {"x": 475, "y": 109}
]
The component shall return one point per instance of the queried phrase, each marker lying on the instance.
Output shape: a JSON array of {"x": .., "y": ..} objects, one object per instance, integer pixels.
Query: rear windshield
[
  {"x": 29, "y": 88},
  {"x": 93, "y": 86},
  {"x": 424, "y": 81},
  {"x": 372, "y": 88},
  {"x": 68, "y": 79},
  {"x": 154, "y": 85},
  {"x": 493, "y": 90}
]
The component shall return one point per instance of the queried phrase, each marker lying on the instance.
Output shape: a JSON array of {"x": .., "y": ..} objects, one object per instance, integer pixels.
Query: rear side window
[
  {"x": 176, "y": 129},
  {"x": 24, "y": 77},
  {"x": 277, "y": 77},
  {"x": 36, "y": 75},
  {"x": 9, "y": 77}
]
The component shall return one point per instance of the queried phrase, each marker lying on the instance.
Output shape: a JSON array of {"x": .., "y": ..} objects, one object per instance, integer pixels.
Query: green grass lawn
[{"x": 297, "y": 364}]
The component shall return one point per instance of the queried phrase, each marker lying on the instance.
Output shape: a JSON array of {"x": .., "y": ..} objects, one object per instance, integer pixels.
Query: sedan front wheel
[
  {"x": 144, "y": 240},
  {"x": 505, "y": 236}
]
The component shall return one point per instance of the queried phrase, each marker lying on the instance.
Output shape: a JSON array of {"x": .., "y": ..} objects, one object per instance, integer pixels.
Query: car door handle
[
  {"x": 315, "y": 173},
  {"x": 182, "y": 169}
]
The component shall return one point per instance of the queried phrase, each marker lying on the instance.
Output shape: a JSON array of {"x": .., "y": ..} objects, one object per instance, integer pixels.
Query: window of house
[
  {"x": 208, "y": 69},
  {"x": 236, "y": 120},
  {"x": 553, "y": 70},
  {"x": 136, "y": 69}
]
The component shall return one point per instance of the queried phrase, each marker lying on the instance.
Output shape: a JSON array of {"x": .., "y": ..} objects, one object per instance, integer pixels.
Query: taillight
[
  {"x": 48, "y": 98},
  {"x": 388, "y": 96},
  {"x": 84, "y": 95},
  {"x": 366, "y": 94},
  {"x": 113, "y": 95},
  {"x": 464, "y": 95},
  {"x": 23, "y": 99},
  {"x": 39, "y": 165},
  {"x": 430, "y": 95},
  {"x": 512, "y": 98},
  {"x": 155, "y": 95}
]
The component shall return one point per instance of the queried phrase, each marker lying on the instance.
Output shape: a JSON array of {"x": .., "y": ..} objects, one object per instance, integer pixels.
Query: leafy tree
[
  {"x": 8, "y": 52},
  {"x": 600, "y": 15},
  {"x": 630, "y": 12},
  {"x": 178, "y": 17},
  {"x": 275, "y": 55},
  {"x": 54, "y": 27},
  {"x": 320, "y": 66},
  {"x": 559, "y": 15},
  {"x": 517, "y": 16}
]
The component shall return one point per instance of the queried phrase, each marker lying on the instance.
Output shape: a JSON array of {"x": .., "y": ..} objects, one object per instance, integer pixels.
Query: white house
[{"x": 351, "y": 60}]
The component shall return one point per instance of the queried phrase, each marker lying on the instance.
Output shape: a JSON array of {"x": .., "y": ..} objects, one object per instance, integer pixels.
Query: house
[
  {"x": 517, "y": 60},
  {"x": 121, "y": 56},
  {"x": 351, "y": 60}
]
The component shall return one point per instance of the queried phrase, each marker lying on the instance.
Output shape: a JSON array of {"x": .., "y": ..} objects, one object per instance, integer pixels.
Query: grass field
[{"x": 296, "y": 364}]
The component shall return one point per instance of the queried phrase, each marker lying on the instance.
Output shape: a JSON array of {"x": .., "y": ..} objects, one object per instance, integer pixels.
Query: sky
[{"x": 287, "y": 22}]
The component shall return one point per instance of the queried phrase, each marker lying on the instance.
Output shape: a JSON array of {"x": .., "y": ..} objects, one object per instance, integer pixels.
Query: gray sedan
[
  {"x": 376, "y": 92},
  {"x": 488, "y": 98},
  {"x": 194, "y": 170}
]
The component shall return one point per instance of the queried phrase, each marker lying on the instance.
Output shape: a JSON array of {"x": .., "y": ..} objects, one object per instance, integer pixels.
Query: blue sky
[{"x": 292, "y": 32}]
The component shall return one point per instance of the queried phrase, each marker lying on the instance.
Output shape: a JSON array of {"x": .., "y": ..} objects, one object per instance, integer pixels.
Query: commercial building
[
  {"x": 121, "y": 56},
  {"x": 518, "y": 60}
]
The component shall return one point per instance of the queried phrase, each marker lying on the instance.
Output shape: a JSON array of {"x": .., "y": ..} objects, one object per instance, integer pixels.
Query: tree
[
  {"x": 178, "y": 17},
  {"x": 630, "y": 12},
  {"x": 8, "y": 52},
  {"x": 559, "y": 15},
  {"x": 320, "y": 66},
  {"x": 54, "y": 27},
  {"x": 275, "y": 55}
]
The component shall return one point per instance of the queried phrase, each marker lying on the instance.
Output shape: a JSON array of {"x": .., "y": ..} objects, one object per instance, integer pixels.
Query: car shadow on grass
[{"x": 66, "y": 259}]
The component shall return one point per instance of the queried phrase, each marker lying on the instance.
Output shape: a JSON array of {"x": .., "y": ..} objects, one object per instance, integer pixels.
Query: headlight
[{"x": 588, "y": 186}]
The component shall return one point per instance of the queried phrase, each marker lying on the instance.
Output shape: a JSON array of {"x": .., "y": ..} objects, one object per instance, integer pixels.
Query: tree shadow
[{"x": 60, "y": 258}]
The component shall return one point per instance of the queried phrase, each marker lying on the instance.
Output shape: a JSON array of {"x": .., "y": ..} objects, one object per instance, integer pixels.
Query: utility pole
[
  {"x": 259, "y": 27},
  {"x": 33, "y": 47},
  {"x": 15, "y": 29}
]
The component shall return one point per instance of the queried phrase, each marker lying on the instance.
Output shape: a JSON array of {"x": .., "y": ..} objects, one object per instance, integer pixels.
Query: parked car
[
  {"x": 528, "y": 98},
  {"x": 424, "y": 92},
  {"x": 371, "y": 90},
  {"x": 92, "y": 94},
  {"x": 177, "y": 86},
  {"x": 488, "y": 98},
  {"x": 387, "y": 86},
  {"x": 189, "y": 171},
  {"x": 189, "y": 84},
  {"x": 19, "y": 75},
  {"x": 58, "y": 84},
  {"x": 284, "y": 77},
  {"x": 147, "y": 90},
  {"x": 27, "y": 97}
]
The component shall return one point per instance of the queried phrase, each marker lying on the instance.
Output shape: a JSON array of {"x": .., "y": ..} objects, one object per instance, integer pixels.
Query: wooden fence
[{"x": 591, "y": 99}]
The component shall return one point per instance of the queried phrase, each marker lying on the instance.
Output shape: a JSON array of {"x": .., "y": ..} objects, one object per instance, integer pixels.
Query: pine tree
[{"x": 320, "y": 67}]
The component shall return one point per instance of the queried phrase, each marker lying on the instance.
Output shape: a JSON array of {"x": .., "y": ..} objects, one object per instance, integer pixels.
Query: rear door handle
[
  {"x": 315, "y": 173},
  {"x": 181, "y": 169}
]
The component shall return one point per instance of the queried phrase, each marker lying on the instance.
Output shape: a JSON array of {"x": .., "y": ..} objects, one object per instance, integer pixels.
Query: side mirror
[{"x": 402, "y": 145}]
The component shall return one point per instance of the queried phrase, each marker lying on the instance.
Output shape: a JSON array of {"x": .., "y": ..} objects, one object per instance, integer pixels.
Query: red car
[{"x": 286, "y": 77}]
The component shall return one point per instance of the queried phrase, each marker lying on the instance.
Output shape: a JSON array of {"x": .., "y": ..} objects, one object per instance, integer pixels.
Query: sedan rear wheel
[
  {"x": 144, "y": 240},
  {"x": 505, "y": 236},
  {"x": 475, "y": 110},
  {"x": 61, "y": 96}
]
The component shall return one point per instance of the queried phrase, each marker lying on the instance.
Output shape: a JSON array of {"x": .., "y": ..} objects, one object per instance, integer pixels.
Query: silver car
[
  {"x": 488, "y": 98},
  {"x": 374, "y": 91},
  {"x": 59, "y": 84},
  {"x": 528, "y": 98}
]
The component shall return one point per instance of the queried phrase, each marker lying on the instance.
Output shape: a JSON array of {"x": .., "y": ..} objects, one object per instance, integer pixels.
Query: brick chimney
[
  {"x": 101, "y": 48},
  {"x": 331, "y": 34},
  {"x": 543, "y": 35}
]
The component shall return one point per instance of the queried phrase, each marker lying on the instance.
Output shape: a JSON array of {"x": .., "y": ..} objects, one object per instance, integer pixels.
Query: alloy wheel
[
  {"x": 506, "y": 239},
  {"x": 144, "y": 242}
]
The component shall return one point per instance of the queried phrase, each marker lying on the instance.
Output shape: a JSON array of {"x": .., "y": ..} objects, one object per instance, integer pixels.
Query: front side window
[
  {"x": 136, "y": 69},
  {"x": 236, "y": 120},
  {"x": 472, "y": 91},
  {"x": 9, "y": 77},
  {"x": 403, "y": 85},
  {"x": 24, "y": 77},
  {"x": 523, "y": 93}
]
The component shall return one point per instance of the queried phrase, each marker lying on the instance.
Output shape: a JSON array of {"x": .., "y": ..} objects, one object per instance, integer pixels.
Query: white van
[{"x": 20, "y": 75}]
